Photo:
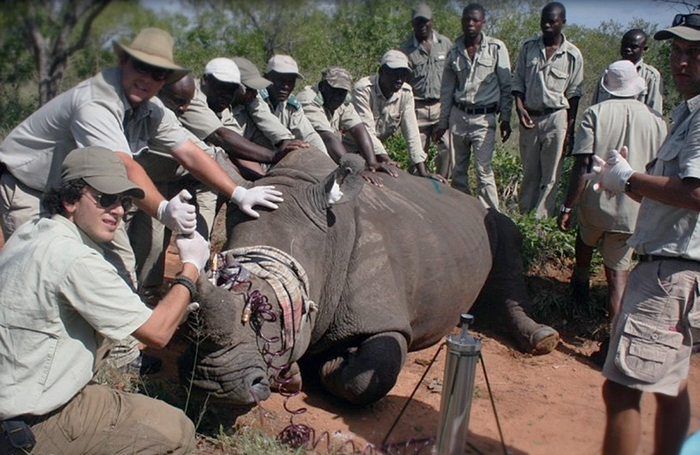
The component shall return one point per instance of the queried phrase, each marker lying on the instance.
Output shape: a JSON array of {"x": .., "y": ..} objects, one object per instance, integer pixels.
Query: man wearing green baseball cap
[{"x": 61, "y": 304}]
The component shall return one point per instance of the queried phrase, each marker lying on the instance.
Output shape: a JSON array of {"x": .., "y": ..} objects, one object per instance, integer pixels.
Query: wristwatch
[{"x": 565, "y": 209}]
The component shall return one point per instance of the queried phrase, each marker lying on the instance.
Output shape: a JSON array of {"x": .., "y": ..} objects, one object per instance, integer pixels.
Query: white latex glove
[
  {"x": 177, "y": 215},
  {"x": 245, "y": 199},
  {"x": 193, "y": 249},
  {"x": 610, "y": 175}
]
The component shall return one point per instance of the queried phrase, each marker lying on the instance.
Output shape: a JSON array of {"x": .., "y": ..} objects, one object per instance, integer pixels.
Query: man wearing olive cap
[
  {"x": 426, "y": 50},
  {"x": 652, "y": 339},
  {"x": 282, "y": 71},
  {"x": 61, "y": 304},
  {"x": 385, "y": 104},
  {"x": 332, "y": 114},
  {"x": 475, "y": 91}
]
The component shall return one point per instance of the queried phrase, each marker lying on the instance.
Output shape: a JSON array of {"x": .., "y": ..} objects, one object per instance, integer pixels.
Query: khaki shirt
[
  {"x": 257, "y": 123},
  {"x": 427, "y": 66},
  {"x": 59, "y": 299},
  {"x": 606, "y": 127},
  {"x": 343, "y": 119},
  {"x": 291, "y": 115},
  {"x": 383, "y": 116},
  {"x": 199, "y": 118},
  {"x": 652, "y": 96},
  {"x": 664, "y": 229},
  {"x": 548, "y": 83},
  {"x": 483, "y": 82},
  {"x": 95, "y": 112}
]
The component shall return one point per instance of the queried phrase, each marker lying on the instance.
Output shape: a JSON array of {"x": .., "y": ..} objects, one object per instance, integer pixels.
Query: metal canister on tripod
[{"x": 457, "y": 389}]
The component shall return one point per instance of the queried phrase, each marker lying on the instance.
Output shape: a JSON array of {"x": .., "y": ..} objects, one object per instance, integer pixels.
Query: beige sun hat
[
  {"x": 337, "y": 77},
  {"x": 685, "y": 26},
  {"x": 395, "y": 60},
  {"x": 154, "y": 47},
  {"x": 283, "y": 64},
  {"x": 250, "y": 75},
  {"x": 621, "y": 80},
  {"x": 101, "y": 169}
]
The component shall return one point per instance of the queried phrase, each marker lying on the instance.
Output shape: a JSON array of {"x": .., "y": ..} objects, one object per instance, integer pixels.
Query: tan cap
[
  {"x": 337, "y": 77},
  {"x": 154, "y": 47},
  {"x": 684, "y": 26},
  {"x": 621, "y": 79},
  {"x": 395, "y": 60},
  {"x": 422, "y": 10},
  {"x": 224, "y": 70},
  {"x": 102, "y": 169},
  {"x": 283, "y": 64},
  {"x": 250, "y": 75}
]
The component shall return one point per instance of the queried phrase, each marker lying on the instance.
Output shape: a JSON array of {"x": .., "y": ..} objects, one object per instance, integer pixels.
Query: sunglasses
[
  {"x": 157, "y": 74},
  {"x": 107, "y": 201},
  {"x": 688, "y": 20}
]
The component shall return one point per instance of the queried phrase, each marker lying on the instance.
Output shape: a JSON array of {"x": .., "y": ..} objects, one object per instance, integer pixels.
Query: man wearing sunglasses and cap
[
  {"x": 282, "y": 71},
  {"x": 332, "y": 114},
  {"x": 61, "y": 304},
  {"x": 652, "y": 339},
  {"x": 385, "y": 104},
  {"x": 116, "y": 109}
]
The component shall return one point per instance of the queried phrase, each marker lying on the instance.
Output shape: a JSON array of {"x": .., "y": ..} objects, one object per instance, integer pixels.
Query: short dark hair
[
  {"x": 555, "y": 6},
  {"x": 473, "y": 7},
  {"x": 68, "y": 192},
  {"x": 635, "y": 32}
]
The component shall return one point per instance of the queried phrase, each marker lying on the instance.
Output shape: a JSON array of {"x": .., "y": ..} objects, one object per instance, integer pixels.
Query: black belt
[
  {"x": 427, "y": 102},
  {"x": 655, "y": 257},
  {"x": 476, "y": 110},
  {"x": 545, "y": 111}
]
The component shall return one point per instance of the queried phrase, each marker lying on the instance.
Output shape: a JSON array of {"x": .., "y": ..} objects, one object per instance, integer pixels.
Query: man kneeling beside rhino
[{"x": 352, "y": 277}]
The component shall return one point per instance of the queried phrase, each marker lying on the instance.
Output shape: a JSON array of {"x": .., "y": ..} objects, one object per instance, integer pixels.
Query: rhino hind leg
[
  {"x": 505, "y": 290},
  {"x": 366, "y": 373}
]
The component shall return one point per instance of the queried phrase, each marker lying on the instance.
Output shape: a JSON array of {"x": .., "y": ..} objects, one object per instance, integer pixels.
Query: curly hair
[{"x": 68, "y": 192}]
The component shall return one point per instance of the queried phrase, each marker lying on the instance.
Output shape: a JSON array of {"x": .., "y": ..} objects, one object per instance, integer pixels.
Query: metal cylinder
[{"x": 457, "y": 390}]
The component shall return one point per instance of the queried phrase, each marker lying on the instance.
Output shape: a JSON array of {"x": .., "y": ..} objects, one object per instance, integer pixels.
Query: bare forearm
[
  {"x": 239, "y": 147},
  {"x": 577, "y": 184},
  {"x": 673, "y": 191},
  {"x": 359, "y": 132}
]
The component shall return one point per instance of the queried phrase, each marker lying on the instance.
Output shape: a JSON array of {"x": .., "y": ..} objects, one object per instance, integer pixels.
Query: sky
[{"x": 588, "y": 13}]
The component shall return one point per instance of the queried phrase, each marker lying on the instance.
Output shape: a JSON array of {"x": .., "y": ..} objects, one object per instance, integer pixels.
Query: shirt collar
[
  {"x": 435, "y": 39},
  {"x": 79, "y": 234}
]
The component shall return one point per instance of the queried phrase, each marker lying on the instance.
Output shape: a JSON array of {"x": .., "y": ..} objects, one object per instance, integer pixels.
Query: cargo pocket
[{"x": 646, "y": 352}]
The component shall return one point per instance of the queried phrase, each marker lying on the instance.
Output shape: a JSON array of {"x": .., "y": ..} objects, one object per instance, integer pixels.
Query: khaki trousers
[
  {"x": 103, "y": 421},
  {"x": 428, "y": 115},
  {"x": 541, "y": 150},
  {"x": 474, "y": 134}
]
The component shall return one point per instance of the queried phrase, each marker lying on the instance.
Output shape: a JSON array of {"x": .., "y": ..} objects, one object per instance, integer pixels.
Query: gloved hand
[
  {"x": 193, "y": 249},
  {"x": 177, "y": 215},
  {"x": 245, "y": 199},
  {"x": 610, "y": 175}
]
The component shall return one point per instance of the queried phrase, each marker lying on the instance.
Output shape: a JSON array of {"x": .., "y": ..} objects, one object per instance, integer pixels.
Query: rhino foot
[{"x": 543, "y": 340}]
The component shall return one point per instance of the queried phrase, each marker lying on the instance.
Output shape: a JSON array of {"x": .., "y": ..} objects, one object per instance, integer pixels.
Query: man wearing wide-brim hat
[
  {"x": 60, "y": 305},
  {"x": 385, "y": 104},
  {"x": 116, "y": 109},
  {"x": 604, "y": 222},
  {"x": 652, "y": 339}
]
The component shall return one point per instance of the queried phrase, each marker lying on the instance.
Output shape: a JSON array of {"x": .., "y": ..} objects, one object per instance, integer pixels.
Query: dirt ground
[{"x": 546, "y": 405}]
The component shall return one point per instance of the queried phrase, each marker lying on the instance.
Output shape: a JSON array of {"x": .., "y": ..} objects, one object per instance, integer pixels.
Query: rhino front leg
[{"x": 366, "y": 373}]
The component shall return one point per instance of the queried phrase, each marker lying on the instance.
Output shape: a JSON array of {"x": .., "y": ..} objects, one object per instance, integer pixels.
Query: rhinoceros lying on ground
[{"x": 361, "y": 281}]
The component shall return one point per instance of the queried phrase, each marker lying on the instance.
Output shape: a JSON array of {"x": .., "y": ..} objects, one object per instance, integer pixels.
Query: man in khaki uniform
[
  {"x": 426, "y": 50},
  {"x": 61, "y": 303},
  {"x": 476, "y": 85},
  {"x": 148, "y": 237},
  {"x": 333, "y": 116},
  {"x": 604, "y": 222},
  {"x": 547, "y": 88},
  {"x": 632, "y": 48},
  {"x": 282, "y": 71},
  {"x": 384, "y": 102}
]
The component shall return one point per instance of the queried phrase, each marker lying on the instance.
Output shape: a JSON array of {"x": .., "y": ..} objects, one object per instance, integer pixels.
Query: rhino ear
[{"x": 345, "y": 183}]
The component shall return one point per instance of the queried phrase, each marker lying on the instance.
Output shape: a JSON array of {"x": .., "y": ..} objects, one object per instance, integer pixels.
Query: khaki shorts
[
  {"x": 617, "y": 255},
  {"x": 651, "y": 342},
  {"x": 103, "y": 421}
]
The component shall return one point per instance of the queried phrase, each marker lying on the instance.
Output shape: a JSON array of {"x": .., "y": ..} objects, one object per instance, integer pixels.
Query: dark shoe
[{"x": 145, "y": 364}]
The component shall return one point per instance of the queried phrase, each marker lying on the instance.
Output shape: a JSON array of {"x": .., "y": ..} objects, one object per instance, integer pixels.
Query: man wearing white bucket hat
[
  {"x": 608, "y": 222},
  {"x": 385, "y": 104},
  {"x": 652, "y": 340},
  {"x": 282, "y": 71}
]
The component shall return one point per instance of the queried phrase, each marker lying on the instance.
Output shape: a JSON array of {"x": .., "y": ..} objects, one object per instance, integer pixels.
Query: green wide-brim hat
[{"x": 154, "y": 47}]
